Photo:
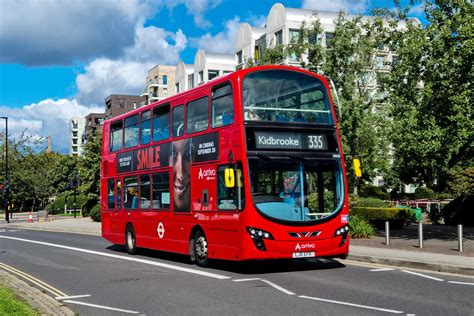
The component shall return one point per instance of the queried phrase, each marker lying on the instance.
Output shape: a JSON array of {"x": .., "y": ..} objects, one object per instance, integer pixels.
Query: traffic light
[{"x": 357, "y": 170}]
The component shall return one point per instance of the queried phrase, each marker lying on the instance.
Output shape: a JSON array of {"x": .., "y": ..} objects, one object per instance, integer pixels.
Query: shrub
[
  {"x": 424, "y": 193},
  {"x": 95, "y": 213},
  {"x": 374, "y": 191},
  {"x": 460, "y": 211},
  {"x": 57, "y": 206},
  {"x": 370, "y": 202},
  {"x": 397, "y": 217},
  {"x": 360, "y": 228}
]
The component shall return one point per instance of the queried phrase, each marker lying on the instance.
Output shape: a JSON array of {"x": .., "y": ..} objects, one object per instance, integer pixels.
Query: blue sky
[{"x": 65, "y": 58}]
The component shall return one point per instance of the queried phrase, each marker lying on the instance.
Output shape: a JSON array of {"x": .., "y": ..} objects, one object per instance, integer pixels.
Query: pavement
[{"x": 439, "y": 251}]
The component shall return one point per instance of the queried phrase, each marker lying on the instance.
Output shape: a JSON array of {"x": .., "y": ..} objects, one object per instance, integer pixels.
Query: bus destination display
[{"x": 282, "y": 140}]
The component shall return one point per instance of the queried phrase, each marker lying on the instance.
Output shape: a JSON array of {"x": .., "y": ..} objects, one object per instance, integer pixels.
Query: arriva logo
[
  {"x": 304, "y": 246},
  {"x": 208, "y": 174}
]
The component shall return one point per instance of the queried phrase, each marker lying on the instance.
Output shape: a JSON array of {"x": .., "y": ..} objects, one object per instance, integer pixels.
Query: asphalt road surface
[{"x": 103, "y": 279}]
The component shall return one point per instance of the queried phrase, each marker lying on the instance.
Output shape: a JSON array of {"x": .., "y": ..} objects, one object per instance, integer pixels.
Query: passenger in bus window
[
  {"x": 119, "y": 194},
  {"x": 180, "y": 161},
  {"x": 250, "y": 114}
]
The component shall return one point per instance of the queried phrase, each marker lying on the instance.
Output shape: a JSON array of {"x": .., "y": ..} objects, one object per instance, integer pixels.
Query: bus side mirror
[{"x": 229, "y": 177}]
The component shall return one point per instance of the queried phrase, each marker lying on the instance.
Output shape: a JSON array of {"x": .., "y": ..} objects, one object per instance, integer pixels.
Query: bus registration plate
[{"x": 309, "y": 254}]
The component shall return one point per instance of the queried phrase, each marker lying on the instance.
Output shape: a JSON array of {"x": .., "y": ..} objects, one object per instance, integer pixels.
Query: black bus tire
[{"x": 130, "y": 240}]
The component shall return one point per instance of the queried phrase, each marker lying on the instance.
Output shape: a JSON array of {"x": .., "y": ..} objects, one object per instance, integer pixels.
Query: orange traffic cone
[{"x": 30, "y": 220}]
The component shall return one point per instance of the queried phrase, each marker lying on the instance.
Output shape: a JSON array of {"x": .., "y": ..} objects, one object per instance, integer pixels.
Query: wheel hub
[{"x": 201, "y": 247}]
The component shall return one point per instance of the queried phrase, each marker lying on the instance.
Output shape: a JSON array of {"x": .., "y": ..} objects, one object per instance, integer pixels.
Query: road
[{"x": 157, "y": 283}]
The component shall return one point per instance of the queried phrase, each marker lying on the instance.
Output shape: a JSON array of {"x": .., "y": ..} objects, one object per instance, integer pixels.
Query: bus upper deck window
[
  {"x": 130, "y": 135},
  {"x": 145, "y": 132},
  {"x": 161, "y": 123},
  {"x": 222, "y": 106},
  {"x": 116, "y": 136},
  {"x": 178, "y": 121},
  {"x": 197, "y": 115}
]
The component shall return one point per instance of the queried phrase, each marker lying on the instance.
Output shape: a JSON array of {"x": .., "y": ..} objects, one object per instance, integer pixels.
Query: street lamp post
[{"x": 6, "y": 169}]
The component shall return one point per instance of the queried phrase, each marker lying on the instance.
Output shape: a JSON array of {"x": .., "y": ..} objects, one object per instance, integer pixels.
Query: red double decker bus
[{"x": 247, "y": 166}]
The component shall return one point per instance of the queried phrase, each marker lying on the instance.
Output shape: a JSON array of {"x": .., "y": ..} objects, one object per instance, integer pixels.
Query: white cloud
[
  {"x": 127, "y": 74},
  {"x": 352, "y": 6},
  {"x": 417, "y": 10},
  {"x": 57, "y": 32},
  {"x": 196, "y": 8},
  {"x": 222, "y": 42},
  {"x": 47, "y": 118}
]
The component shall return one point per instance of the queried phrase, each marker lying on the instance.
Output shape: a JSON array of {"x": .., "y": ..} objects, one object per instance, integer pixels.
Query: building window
[
  {"x": 165, "y": 92},
  {"x": 379, "y": 61},
  {"x": 211, "y": 74},
  {"x": 197, "y": 115},
  {"x": 201, "y": 76},
  {"x": 190, "y": 81},
  {"x": 130, "y": 135},
  {"x": 177, "y": 87},
  {"x": 164, "y": 79},
  {"x": 329, "y": 39},
  {"x": 222, "y": 106},
  {"x": 74, "y": 134},
  {"x": 279, "y": 37},
  {"x": 161, "y": 190},
  {"x": 240, "y": 59}
]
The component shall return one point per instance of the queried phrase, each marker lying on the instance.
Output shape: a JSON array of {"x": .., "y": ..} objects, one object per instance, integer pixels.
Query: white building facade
[
  {"x": 184, "y": 77},
  {"x": 77, "y": 127},
  {"x": 208, "y": 66}
]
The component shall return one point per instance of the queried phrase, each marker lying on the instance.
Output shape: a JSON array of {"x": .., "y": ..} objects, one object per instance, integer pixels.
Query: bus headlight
[
  {"x": 258, "y": 237},
  {"x": 344, "y": 232}
]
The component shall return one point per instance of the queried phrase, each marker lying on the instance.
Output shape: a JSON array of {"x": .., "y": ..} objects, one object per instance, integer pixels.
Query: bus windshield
[
  {"x": 296, "y": 191},
  {"x": 285, "y": 96}
]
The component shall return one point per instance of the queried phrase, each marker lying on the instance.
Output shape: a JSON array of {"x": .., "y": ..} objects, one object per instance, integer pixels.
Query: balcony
[
  {"x": 144, "y": 94},
  {"x": 155, "y": 84}
]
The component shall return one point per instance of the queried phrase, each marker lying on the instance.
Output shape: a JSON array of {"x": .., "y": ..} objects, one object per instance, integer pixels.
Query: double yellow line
[{"x": 31, "y": 279}]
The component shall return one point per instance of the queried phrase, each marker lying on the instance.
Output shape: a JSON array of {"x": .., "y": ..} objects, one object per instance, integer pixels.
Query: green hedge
[
  {"x": 370, "y": 202},
  {"x": 371, "y": 213},
  {"x": 374, "y": 191},
  {"x": 58, "y": 205}
]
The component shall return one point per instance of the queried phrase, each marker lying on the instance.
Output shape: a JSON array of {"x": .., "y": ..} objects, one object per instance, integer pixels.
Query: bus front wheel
[
  {"x": 201, "y": 249},
  {"x": 130, "y": 240}
]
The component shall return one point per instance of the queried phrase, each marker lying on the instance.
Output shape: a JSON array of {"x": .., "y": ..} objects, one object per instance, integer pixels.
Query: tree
[
  {"x": 431, "y": 90},
  {"x": 89, "y": 170}
]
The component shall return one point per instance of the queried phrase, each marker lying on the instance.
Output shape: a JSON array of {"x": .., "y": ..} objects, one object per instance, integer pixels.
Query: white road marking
[
  {"x": 144, "y": 261},
  {"x": 464, "y": 283},
  {"x": 276, "y": 286},
  {"x": 32, "y": 279},
  {"x": 381, "y": 270},
  {"x": 61, "y": 298},
  {"x": 103, "y": 307},
  {"x": 423, "y": 276},
  {"x": 351, "y": 304},
  {"x": 245, "y": 280}
]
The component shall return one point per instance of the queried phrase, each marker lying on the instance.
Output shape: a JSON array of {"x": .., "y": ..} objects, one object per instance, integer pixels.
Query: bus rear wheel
[
  {"x": 201, "y": 249},
  {"x": 130, "y": 240}
]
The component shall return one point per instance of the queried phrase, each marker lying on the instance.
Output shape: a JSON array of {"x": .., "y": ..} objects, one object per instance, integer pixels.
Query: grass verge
[{"x": 10, "y": 304}]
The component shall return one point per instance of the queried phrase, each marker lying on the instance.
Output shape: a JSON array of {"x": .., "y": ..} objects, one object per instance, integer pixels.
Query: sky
[{"x": 60, "y": 59}]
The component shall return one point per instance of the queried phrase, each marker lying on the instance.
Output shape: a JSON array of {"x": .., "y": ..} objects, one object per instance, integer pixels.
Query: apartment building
[
  {"x": 184, "y": 77},
  {"x": 118, "y": 104},
  {"x": 77, "y": 126},
  {"x": 160, "y": 83},
  {"x": 208, "y": 66},
  {"x": 93, "y": 124}
]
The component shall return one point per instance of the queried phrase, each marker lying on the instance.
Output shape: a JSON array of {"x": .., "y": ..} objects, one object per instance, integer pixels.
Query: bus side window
[
  {"x": 161, "y": 123},
  {"x": 130, "y": 135},
  {"x": 110, "y": 194},
  {"x": 130, "y": 192},
  {"x": 116, "y": 136},
  {"x": 161, "y": 191},
  {"x": 222, "y": 106},
  {"x": 178, "y": 120},
  {"x": 145, "y": 131},
  {"x": 197, "y": 115},
  {"x": 145, "y": 192}
]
